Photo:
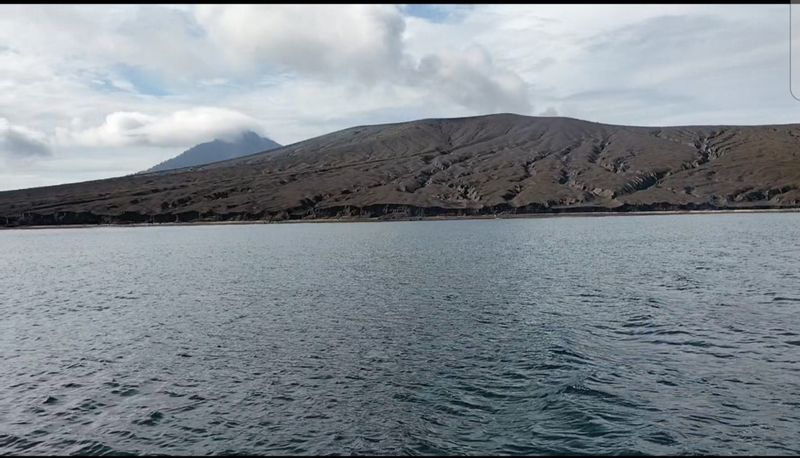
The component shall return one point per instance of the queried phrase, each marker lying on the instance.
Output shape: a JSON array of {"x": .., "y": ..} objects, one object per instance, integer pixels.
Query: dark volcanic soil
[{"x": 495, "y": 164}]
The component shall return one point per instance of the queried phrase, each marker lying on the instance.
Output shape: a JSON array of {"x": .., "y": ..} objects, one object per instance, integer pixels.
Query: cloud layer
[
  {"x": 358, "y": 44},
  {"x": 130, "y": 128},
  {"x": 118, "y": 88}
]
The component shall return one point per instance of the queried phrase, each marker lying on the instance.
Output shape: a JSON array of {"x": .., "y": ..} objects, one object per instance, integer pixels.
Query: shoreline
[{"x": 379, "y": 219}]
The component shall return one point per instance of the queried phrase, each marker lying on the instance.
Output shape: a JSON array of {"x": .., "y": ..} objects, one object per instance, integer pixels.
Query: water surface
[{"x": 630, "y": 334}]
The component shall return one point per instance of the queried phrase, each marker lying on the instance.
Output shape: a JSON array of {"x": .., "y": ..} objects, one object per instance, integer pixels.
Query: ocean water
[{"x": 597, "y": 335}]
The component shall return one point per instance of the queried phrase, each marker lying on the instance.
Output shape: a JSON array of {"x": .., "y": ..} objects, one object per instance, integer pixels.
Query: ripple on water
[
  {"x": 151, "y": 419},
  {"x": 542, "y": 336}
]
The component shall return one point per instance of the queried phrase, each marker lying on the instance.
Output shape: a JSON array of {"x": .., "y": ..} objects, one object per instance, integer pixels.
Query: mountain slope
[
  {"x": 247, "y": 142},
  {"x": 479, "y": 165}
]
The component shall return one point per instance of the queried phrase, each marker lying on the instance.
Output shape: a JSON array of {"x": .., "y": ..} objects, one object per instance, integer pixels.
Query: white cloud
[
  {"x": 362, "y": 45},
  {"x": 550, "y": 111},
  {"x": 330, "y": 40},
  {"x": 180, "y": 128},
  {"x": 213, "y": 82},
  {"x": 471, "y": 80},
  {"x": 20, "y": 142}
]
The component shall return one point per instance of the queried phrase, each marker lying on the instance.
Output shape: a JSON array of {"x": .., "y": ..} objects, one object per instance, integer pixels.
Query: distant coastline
[{"x": 384, "y": 219}]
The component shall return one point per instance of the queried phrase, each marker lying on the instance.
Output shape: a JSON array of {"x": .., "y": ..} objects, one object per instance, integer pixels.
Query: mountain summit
[{"x": 248, "y": 142}]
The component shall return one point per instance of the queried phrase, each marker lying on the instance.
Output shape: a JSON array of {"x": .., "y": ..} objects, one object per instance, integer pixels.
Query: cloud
[
  {"x": 330, "y": 40},
  {"x": 19, "y": 142},
  {"x": 129, "y": 58},
  {"x": 471, "y": 79},
  {"x": 359, "y": 44},
  {"x": 550, "y": 111},
  {"x": 180, "y": 128},
  {"x": 155, "y": 38}
]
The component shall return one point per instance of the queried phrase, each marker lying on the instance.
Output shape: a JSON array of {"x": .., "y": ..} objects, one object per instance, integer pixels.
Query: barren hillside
[{"x": 479, "y": 165}]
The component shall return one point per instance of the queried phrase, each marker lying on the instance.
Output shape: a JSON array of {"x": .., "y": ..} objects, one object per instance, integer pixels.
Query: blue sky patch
[
  {"x": 435, "y": 13},
  {"x": 143, "y": 82}
]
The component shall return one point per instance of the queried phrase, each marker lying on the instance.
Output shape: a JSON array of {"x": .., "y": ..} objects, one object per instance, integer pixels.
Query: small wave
[
  {"x": 468, "y": 405},
  {"x": 583, "y": 390},
  {"x": 89, "y": 447},
  {"x": 17, "y": 443},
  {"x": 562, "y": 351},
  {"x": 152, "y": 419},
  {"x": 88, "y": 405},
  {"x": 125, "y": 392}
]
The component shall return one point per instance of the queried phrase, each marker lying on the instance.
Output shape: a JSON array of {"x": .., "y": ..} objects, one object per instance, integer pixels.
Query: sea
[{"x": 646, "y": 334}]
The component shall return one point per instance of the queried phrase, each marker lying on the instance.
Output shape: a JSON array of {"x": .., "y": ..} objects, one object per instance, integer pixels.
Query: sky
[{"x": 96, "y": 91}]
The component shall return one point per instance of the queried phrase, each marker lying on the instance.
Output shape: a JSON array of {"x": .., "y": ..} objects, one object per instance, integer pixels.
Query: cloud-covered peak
[{"x": 179, "y": 128}]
